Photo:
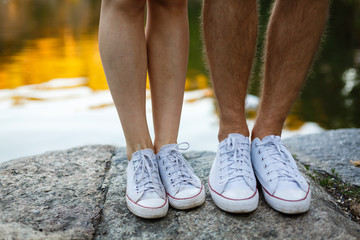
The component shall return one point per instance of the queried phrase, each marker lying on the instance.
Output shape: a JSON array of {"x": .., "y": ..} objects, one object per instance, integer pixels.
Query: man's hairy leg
[
  {"x": 293, "y": 36},
  {"x": 230, "y": 30}
]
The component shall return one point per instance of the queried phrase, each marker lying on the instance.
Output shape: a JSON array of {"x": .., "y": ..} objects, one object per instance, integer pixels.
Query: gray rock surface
[
  {"x": 330, "y": 150},
  {"x": 80, "y": 194},
  {"x": 56, "y": 195}
]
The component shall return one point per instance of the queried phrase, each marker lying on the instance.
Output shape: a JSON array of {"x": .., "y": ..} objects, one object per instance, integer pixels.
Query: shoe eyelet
[
  {"x": 173, "y": 185},
  {"x": 270, "y": 180},
  {"x": 169, "y": 174},
  {"x": 265, "y": 166},
  {"x": 262, "y": 159},
  {"x": 268, "y": 173},
  {"x": 259, "y": 152}
]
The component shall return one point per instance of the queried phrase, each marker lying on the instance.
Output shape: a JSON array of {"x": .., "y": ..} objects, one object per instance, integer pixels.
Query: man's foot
[
  {"x": 284, "y": 188},
  {"x": 145, "y": 194},
  {"x": 183, "y": 187},
  {"x": 232, "y": 181}
]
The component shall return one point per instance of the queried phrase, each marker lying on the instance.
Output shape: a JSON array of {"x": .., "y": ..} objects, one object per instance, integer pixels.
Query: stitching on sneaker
[
  {"x": 232, "y": 198},
  {"x": 188, "y": 197},
  {"x": 299, "y": 200},
  {"x": 144, "y": 206}
]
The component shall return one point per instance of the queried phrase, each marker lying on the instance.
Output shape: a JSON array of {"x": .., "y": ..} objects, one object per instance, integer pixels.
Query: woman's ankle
[{"x": 132, "y": 148}]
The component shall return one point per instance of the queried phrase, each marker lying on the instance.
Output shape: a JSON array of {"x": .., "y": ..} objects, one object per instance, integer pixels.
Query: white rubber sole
[
  {"x": 147, "y": 212},
  {"x": 235, "y": 205},
  {"x": 288, "y": 206},
  {"x": 187, "y": 203}
]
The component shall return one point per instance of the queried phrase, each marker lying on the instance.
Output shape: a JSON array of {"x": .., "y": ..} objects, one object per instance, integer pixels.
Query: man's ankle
[
  {"x": 263, "y": 132},
  {"x": 224, "y": 133}
]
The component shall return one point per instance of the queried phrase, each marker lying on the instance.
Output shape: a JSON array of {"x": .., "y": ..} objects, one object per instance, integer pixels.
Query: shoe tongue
[
  {"x": 237, "y": 135},
  {"x": 138, "y": 154},
  {"x": 167, "y": 147}
]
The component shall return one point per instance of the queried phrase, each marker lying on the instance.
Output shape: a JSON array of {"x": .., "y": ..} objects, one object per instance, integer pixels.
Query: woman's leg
[
  {"x": 167, "y": 37},
  {"x": 123, "y": 54}
]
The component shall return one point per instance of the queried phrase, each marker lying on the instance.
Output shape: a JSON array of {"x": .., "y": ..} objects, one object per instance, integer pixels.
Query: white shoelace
[
  {"x": 234, "y": 161},
  {"x": 177, "y": 167},
  {"x": 149, "y": 175},
  {"x": 277, "y": 161}
]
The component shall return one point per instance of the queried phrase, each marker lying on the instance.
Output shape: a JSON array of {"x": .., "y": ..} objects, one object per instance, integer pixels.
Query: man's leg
[
  {"x": 167, "y": 36},
  {"x": 230, "y": 30},
  {"x": 123, "y": 54},
  {"x": 293, "y": 37}
]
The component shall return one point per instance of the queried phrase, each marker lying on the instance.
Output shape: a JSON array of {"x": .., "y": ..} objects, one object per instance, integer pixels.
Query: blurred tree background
[{"x": 45, "y": 39}]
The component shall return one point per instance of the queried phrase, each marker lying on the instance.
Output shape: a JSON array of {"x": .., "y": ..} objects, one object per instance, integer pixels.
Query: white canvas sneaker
[
  {"x": 183, "y": 187},
  {"x": 145, "y": 194},
  {"x": 284, "y": 188},
  {"x": 232, "y": 181}
]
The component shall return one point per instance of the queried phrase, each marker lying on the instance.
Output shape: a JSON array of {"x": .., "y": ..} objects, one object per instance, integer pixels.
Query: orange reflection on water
[
  {"x": 44, "y": 59},
  {"x": 47, "y": 58}
]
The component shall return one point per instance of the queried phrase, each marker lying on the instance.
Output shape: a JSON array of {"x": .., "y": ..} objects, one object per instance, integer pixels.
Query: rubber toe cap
[
  {"x": 289, "y": 191},
  {"x": 188, "y": 193},
  {"x": 152, "y": 202}
]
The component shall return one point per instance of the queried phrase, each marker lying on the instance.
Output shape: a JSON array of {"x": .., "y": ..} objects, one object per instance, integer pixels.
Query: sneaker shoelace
[
  {"x": 234, "y": 161},
  {"x": 177, "y": 167},
  {"x": 146, "y": 175},
  {"x": 277, "y": 161}
]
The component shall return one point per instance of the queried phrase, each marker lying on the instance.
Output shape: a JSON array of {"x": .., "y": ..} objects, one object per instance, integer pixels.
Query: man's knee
[
  {"x": 125, "y": 6},
  {"x": 172, "y": 4}
]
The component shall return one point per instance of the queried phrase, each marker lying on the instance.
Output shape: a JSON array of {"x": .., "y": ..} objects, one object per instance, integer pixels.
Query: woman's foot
[
  {"x": 183, "y": 187},
  {"x": 145, "y": 194}
]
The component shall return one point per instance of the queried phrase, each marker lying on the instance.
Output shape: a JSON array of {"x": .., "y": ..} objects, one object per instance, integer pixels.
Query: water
[{"x": 41, "y": 40}]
